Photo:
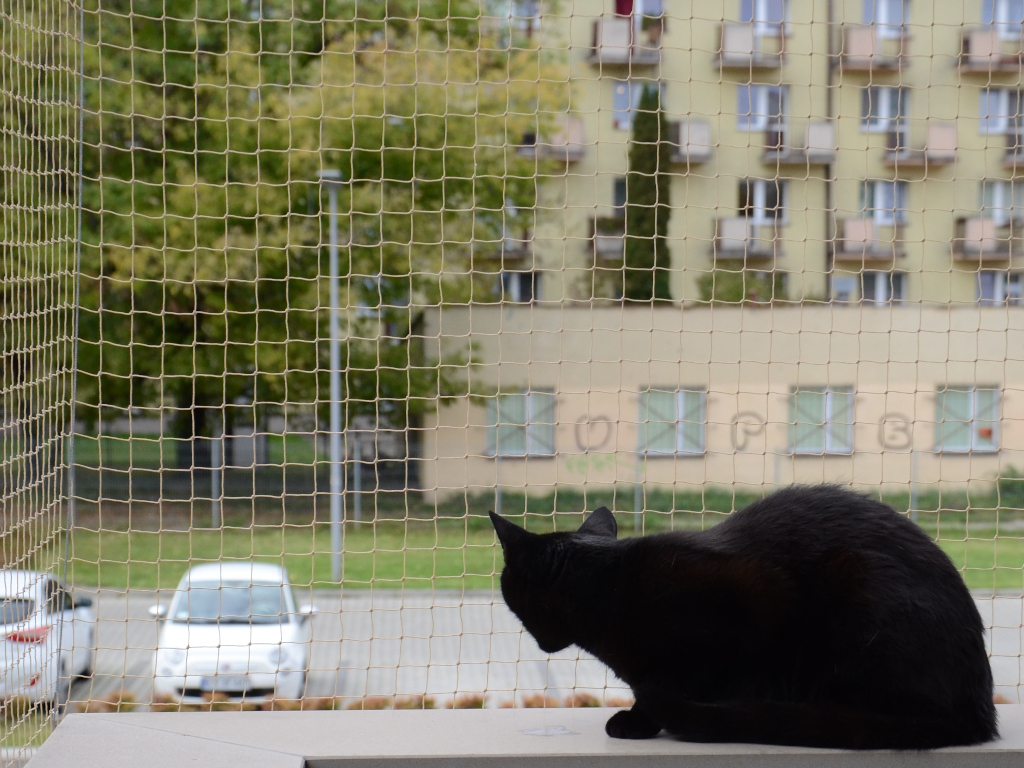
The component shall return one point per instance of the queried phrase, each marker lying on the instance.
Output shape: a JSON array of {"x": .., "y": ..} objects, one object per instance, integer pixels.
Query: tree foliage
[
  {"x": 648, "y": 205},
  {"x": 206, "y": 259}
]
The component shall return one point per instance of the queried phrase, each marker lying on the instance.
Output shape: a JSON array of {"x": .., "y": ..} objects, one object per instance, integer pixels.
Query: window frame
[
  {"x": 831, "y": 445},
  {"x": 889, "y": 113},
  {"x": 887, "y": 28},
  {"x": 682, "y": 446},
  {"x": 996, "y": 13},
  {"x": 885, "y": 217},
  {"x": 530, "y": 428},
  {"x": 897, "y": 287},
  {"x": 757, "y": 12},
  {"x": 622, "y": 120},
  {"x": 1000, "y": 122},
  {"x": 1007, "y": 285},
  {"x": 757, "y": 117},
  {"x": 973, "y": 445},
  {"x": 759, "y": 208},
  {"x": 1005, "y": 203}
]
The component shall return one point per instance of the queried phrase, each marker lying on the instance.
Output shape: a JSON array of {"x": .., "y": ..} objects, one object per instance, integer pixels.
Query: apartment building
[{"x": 860, "y": 158}]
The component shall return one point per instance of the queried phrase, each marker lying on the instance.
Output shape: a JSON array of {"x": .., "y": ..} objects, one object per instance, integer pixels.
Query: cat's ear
[
  {"x": 600, "y": 523},
  {"x": 509, "y": 534}
]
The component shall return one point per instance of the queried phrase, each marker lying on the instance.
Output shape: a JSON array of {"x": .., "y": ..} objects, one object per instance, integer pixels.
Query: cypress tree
[{"x": 646, "y": 259}]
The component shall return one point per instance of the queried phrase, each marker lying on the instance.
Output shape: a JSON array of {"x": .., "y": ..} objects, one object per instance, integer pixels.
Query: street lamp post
[{"x": 332, "y": 179}]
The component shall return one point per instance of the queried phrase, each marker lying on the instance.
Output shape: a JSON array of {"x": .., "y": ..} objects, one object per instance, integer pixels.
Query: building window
[
  {"x": 997, "y": 286},
  {"x": 884, "y": 108},
  {"x": 821, "y": 420},
  {"x": 885, "y": 201},
  {"x": 967, "y": 419},
  {"x": 619, "y": 196},
  {"x": 1007, "y": 15},
  {"x": 763, "y": 201},
  {"x": 768, "y": 16},
  {"x": 1002, "y": 201},
  {"x": 625, "y": 99},
  {"x": 844, "y": 288},
  {"x": 999, "y": 111},
  {"x": 888, "y": 16},
  {"x": 760, "y": 106},
  {"x": 522, "y": 424},
  {"x": 521, "y": 287},
  {"x": 883, "y": 287},
  {"x": 673, "y": 421}
]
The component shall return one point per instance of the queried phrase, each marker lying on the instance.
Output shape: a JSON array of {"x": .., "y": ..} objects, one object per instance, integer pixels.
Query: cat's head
[{"x": 544, "y": 572}]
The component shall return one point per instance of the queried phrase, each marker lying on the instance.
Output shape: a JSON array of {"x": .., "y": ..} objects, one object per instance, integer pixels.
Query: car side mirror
[
  {"x": 306, "y": 612},
  {"x": 158, "y": 611},
  {"x": 82, "y": 602}
]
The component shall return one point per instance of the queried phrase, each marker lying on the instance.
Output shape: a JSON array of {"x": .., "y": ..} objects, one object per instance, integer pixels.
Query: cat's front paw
[{"x": 631, "y": 724}]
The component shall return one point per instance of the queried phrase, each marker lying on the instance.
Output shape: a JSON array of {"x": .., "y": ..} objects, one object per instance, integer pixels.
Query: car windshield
[
  {"x": 231, "y": 602},
  {"x": 15, "y": 610}
]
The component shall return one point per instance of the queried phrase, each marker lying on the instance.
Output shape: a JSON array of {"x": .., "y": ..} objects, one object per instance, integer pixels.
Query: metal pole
[
  {"x": 357, "y": 480},
  {"x": 913, "y": 484},
  {"x": 497, "y": 482},
  {"x": 638, "y": 495},
  {"x": 216, "y": 462},
  {"x": 337, "y": 474}
]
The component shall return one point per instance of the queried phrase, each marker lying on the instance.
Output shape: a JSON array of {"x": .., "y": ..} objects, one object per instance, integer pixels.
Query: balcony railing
[
  {"x": 744, "y": 238},
  {"x": 566, "y": 144},
  {"x": 991, "y": 49},
  {"x": 626, "y": 40},
  {"x": 749, "y": 45},
  {"x": 814, "y": 143},
  {"x": 869, "y": 47},
  {"x": 980, "y": 238},
  {"x": 937, "y": 149},
  {"x": 861, "y": 239},
  {"x": 609, "y": 238},
  {"x": 691, "y": 141}
]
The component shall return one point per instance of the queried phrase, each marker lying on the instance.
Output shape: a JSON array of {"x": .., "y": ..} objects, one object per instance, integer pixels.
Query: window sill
[
  {"x": 461, "y": 738},
  {"x": 818, "y": 454},
  {"x": 673, "y": 454},
  {"x": 964, "y": 451}
]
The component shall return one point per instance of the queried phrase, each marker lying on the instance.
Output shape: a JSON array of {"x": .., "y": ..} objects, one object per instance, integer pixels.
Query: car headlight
[
  {"x": 168, "y": 660},
  {"x": 275, "y": 657},
  {"x": 283, "y": 658}
]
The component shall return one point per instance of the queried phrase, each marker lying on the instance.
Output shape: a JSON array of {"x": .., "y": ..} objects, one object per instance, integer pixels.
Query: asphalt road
[{"x": 436, "y": 643}]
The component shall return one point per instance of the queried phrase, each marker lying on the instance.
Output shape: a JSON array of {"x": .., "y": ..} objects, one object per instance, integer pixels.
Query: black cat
[{"x": 814, "y": 617}]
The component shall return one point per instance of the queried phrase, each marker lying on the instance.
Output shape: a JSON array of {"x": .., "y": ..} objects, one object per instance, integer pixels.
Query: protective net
[
  {"x": 39, "y": 68},
  {"x": 354, "y": 273}
]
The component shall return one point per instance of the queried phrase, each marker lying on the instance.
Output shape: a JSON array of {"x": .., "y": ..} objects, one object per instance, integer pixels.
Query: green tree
[
  {"x": 206, "y": 254},
  {"x": 648, "y": 204}
]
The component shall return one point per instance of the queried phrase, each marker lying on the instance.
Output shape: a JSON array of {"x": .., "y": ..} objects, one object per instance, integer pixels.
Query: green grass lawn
[
  {"x": 439, "y": 553},
  {"x": 28, "y": 730}
]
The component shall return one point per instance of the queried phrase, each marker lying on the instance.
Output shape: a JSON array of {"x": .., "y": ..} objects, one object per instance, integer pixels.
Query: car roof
[
  {"x": 15, "y": 583},
  {"x": 237, "y": 571}
]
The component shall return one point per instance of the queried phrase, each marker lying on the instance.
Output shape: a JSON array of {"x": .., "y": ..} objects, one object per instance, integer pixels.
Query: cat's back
[{"x": 808, "y": 522}]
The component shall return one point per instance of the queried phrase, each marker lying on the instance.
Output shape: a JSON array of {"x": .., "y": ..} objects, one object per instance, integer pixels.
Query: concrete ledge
[{"x": 510, "y": 738}]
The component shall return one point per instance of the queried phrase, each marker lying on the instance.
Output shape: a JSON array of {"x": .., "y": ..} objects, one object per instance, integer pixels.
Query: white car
[
  {"x": 232, "y": 629},
  {"x": 48, "y": 637}
]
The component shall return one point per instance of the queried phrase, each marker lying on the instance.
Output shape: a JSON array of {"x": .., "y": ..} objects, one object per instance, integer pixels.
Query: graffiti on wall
[{"x": 594, "y": 439}]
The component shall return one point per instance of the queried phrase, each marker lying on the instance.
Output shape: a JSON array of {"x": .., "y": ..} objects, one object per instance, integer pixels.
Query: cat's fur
[{"x": 813, "y": 617}]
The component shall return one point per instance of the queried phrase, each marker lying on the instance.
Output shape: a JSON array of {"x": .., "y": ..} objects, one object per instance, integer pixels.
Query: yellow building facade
[{"x": 851, "y": 166}]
